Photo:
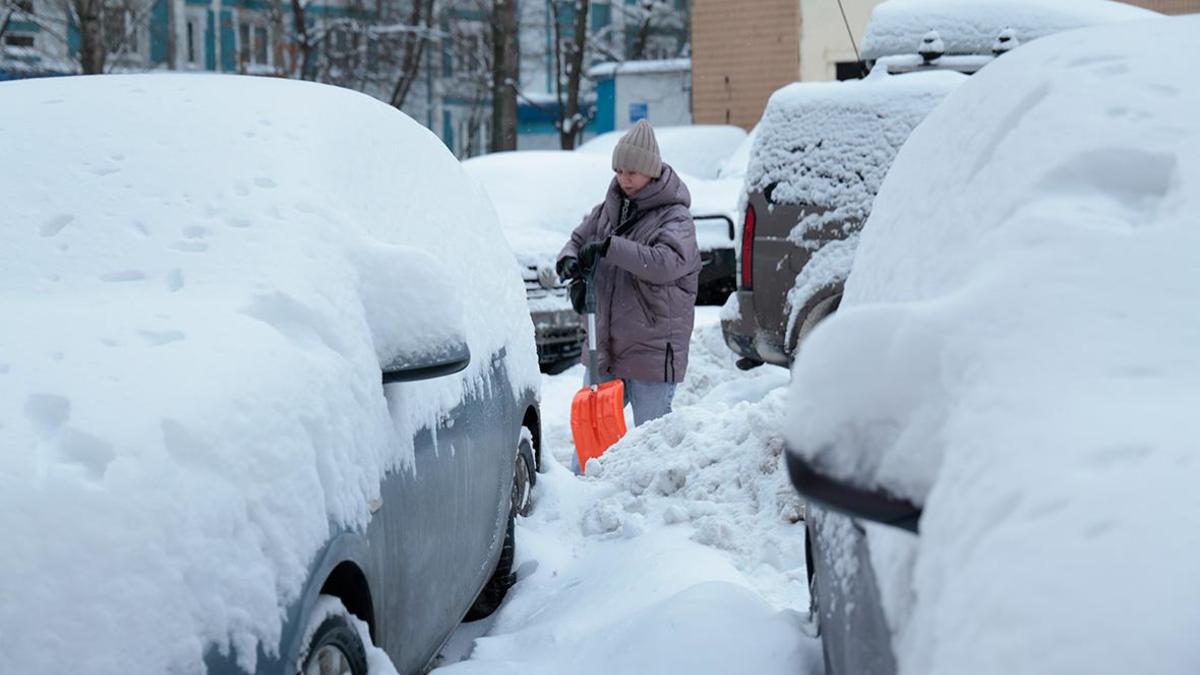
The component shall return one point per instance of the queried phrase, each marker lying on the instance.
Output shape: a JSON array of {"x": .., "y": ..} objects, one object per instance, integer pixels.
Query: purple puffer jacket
[{"x": 646, "y": 284}]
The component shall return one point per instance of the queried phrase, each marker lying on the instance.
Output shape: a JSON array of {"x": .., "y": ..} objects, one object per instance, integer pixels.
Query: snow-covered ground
[{"x": 683, "y": 553}]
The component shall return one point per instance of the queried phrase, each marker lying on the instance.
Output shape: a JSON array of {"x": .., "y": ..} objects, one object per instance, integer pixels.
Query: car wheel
[
  {"x": 493, "y": 593},
  {"x": 502, "y": 579},
  {"x": 524, "y": 477},
  {"x": 335, "y": 649}
]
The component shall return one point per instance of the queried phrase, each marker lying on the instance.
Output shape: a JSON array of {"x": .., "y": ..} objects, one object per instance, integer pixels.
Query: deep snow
[{"x": 681, "y": 552}]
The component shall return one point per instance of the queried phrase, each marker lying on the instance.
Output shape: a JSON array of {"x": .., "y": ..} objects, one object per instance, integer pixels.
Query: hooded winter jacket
[{"x": 646, "y": 283}]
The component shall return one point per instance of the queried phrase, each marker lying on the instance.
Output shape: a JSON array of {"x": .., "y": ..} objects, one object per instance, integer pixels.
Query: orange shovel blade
[{"x": 597, "y": 420}]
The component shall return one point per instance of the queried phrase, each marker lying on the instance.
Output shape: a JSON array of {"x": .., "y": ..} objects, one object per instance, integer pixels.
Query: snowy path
[{"x": 683, "y": 554}]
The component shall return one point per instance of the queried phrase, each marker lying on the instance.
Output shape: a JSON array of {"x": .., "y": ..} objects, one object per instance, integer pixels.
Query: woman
[{"x": 639, "y": 246}]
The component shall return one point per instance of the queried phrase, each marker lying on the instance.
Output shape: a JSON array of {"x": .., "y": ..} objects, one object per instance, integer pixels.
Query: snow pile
[
  {"x": 829, "y": 144},
  {"x": 197, "y": 299},
  {"x": 681, "y": 552},
  {"x": 897, "y": 26},
  {"x": 699, "y": 150},
  {"x": 1016, "y": 350}
]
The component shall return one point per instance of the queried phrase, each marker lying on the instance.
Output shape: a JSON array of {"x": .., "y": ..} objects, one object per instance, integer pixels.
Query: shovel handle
[{"x": 589, "y": 286}]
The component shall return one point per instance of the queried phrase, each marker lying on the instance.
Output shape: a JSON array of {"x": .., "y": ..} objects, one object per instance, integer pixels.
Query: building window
[
  {"x": 18, "y": 40},
  {"x": 255, "y": 45},
  {"x": 850, "y": 70}
]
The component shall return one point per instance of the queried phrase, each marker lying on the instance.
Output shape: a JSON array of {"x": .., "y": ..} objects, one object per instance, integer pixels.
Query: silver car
[{"x": 265, "y": 376}]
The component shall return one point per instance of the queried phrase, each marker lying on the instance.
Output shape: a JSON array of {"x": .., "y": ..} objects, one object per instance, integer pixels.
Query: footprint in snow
[
  {"x": 159, "y": 338},
  {"x": 123, "y": 276},
  {"x": 47, "y": 412},
  {"x": 190, "y": 246},
  {"x": 55, "y": 225},
  {"x": 175, "y": 280}
]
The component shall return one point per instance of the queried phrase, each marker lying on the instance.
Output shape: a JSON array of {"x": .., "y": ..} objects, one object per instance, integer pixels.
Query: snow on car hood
[
  {"x": 1016, "y": 350},
  {"x": 196, "y": 299},
  {"x": 541, "y": 196},
  {"x": 897, "y": 26}
]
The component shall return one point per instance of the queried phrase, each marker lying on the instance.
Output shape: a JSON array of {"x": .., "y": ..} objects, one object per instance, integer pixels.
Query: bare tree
[
  {"x": 657, "y": 29},
  {"x": 506, "y": 62},
  {"x": 107, "y": 29},
  {"x": 415, "y": 43},
  {"x": 568, "y": 71},
  {"x": 378, "y": 49}
]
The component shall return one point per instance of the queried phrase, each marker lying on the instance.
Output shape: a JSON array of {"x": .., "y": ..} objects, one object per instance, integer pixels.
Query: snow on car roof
[
  {"x": 698, "y": 150},
  {"x": 196, "y": 296},
  {"x": 829, "y": 144},
  {"x": 897, "y": 26},
  {"x": 542, "y": 195},
  {"x": 1016, "y": 350}
]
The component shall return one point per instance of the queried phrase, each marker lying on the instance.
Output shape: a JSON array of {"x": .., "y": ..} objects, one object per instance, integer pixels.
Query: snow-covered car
[
  {"x": 965, "y": 35},
  {"x": 698, "y": 150},
  {"x": 268, "y": 388},
  {"x": 1013, "y": 377},
  {"x": 541, "y": 196},
  {"x": 825, "y": 147},
  {"x": 821, "y": 151}
]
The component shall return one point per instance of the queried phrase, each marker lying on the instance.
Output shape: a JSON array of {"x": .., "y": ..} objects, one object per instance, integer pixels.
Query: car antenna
[{"x": 861, "y": 67}]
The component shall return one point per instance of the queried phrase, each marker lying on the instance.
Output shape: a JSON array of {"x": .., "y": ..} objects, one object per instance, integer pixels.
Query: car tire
[
  {"x": 524, "y": 478},
  {"x": 335, "y": 649},
  {"x": 521, "y": 503},
  {"x": 502, "y": 579}
]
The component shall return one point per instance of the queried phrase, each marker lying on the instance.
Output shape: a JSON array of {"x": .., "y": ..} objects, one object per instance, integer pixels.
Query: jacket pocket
[{"x": 642, "y": 302}]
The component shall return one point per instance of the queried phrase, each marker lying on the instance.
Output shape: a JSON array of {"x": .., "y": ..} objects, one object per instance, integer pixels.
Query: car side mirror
[
  {"x": 837, "y": 495},
  {"x": 413, "y": 307},
  {"x": 451, "y": 358}
]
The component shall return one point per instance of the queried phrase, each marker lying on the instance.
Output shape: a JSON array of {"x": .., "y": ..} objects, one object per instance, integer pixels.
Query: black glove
[
  {"x": 591, "y": 252},
  {"x": 568, "y": 268},
  {"x": 578, "y": 293}
]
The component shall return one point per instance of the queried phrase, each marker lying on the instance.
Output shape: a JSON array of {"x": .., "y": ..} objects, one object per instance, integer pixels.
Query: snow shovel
[{"x": 598, "y": 411}]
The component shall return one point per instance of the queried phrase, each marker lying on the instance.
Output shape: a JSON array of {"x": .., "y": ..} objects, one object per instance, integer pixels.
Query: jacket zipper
[{"x": 669, "y": 364}]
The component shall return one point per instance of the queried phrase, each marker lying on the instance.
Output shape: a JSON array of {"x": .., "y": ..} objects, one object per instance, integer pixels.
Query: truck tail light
[{"x": 748, "y": 249}]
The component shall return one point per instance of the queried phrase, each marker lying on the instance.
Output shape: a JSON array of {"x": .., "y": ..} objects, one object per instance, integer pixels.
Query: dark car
[{"x": 821, "y": 151}]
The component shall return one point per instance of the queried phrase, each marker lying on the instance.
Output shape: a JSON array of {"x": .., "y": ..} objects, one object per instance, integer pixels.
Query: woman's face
[{"x": 632, "y": 182}]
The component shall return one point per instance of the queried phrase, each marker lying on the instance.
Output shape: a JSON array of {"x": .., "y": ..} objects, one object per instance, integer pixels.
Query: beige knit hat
[{"x": 638, "y": 151}]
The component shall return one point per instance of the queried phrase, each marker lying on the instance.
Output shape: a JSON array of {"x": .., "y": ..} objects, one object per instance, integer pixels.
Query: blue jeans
[{"x": 650, "y": 400}]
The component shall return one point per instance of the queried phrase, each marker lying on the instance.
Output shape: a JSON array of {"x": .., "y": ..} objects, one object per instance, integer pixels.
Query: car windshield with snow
[
  {"x": 268, "y": 388},
  {"x": 1012, "y": 373}
]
